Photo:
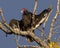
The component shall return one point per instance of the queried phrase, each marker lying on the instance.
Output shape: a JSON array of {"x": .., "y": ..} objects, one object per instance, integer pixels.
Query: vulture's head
[{"x": 23, "y": 10}]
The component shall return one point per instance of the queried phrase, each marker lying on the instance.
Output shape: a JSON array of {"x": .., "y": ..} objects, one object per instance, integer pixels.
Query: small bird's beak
[{"x": 21, "y": 11}]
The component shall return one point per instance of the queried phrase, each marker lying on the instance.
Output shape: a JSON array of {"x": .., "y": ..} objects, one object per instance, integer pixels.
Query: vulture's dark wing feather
[{"x": 40, "y": 18}]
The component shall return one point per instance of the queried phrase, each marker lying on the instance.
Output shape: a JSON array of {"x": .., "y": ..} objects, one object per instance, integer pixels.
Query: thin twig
[
  {"x": 4, "y": 29},
  {"x": 1, "y": 13},
  {"x": 34, "y": 11},
  {"x": 16, "y": 40},
  {"x": 42, "y": 32},
  {"x": 53, "y": 22}
]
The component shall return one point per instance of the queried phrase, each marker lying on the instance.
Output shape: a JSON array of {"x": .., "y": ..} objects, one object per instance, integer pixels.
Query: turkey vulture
[
  {"x": 27, "y": 20},
  {"x": 39, "y": 19}
]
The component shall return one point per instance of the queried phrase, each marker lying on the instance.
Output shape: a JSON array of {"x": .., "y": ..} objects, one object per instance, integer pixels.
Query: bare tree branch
[
  {"x": 17, "y": 41},
  {"x": 38, "y": 40},
  {"x": 53, "y": 21},
  {"x": 1, "y": 13},
  {"x": 42, "y": 32},
  {"x": 34, "y": 11},
  {"x": 29, "y": 47},
  {"x": 4, "y": 29}
]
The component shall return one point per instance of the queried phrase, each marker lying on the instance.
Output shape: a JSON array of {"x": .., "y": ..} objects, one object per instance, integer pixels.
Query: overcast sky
[{"x": 12, "y": 8}]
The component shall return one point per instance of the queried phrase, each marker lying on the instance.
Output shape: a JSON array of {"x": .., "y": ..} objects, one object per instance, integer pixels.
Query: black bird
[
  {"x": 26, "y": 18},
  {"x": 39, "y": 19},
  {"x": 16, "y": 25},
  {"x": 27, "y": 22}
]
